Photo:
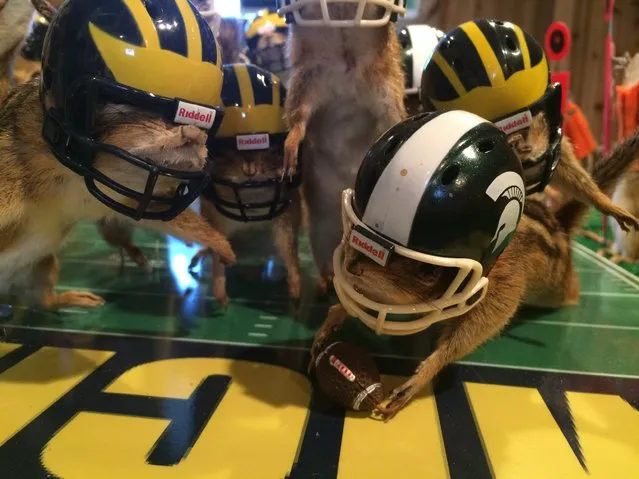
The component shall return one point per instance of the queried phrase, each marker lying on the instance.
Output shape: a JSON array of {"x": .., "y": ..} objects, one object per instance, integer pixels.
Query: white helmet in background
[
  {"x": 418, "y": 43},
  {"x": 341, "y": 13}
]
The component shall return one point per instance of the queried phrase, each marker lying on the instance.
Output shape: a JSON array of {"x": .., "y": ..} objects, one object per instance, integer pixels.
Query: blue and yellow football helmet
[
  {"x": 253, "y": 122},
  {"x": 157, "y": 55}
]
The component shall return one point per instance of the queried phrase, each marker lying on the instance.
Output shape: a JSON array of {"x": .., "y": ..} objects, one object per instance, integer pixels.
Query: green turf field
[{"x": 598, "y": 336}]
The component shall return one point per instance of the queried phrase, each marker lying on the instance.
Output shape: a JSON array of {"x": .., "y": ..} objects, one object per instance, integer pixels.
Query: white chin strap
[
  {"x": 295, "y": 6},
  {"x": 451, "y": 304}
]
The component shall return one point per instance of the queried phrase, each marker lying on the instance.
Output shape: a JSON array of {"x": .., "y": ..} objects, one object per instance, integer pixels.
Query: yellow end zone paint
[{"x": 139, "y": 409}]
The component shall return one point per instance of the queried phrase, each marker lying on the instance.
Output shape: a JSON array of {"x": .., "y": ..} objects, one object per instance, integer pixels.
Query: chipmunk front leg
[
  {"x": 571, "y": 176},
  {"x": 298, "y": 114},
  {"x": 286, "y": 228},
  {"x": 460, "y": 338},
  {"x": 190, "y": 226}
]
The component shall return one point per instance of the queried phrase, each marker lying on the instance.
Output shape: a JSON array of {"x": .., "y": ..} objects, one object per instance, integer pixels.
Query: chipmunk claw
[{"x": 397, "y": 400}]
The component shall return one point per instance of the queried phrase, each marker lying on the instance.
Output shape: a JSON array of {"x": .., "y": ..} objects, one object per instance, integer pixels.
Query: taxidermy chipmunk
[
  {"x": 346, "y": 89},
  {"x": 508, "y": 84},
  {"x": 247, "y": 187},
  {"x": 426, "y": 268},
  {"x": 26, "y": 64},
  {"x": 118, "y": 150}
]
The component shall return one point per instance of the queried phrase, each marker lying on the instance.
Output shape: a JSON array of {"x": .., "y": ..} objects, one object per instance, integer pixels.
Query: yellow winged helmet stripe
[
  {"x": 159, "y": 71},
  {"x": 449, "y": 73},
  {"x": 193, "y": 36},
  {"x": 144, "y": 22},
  {"x": 246, "y": 89},
  {"x": 486, "y": 53},
  {"x": 523, "y": 46}
]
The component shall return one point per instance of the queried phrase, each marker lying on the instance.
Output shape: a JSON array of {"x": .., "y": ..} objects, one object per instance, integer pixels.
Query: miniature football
[{"x": 348, "y": 375}]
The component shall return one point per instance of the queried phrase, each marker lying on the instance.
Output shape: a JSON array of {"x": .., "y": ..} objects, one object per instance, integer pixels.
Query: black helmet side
[{"x": 159, "y": 56}]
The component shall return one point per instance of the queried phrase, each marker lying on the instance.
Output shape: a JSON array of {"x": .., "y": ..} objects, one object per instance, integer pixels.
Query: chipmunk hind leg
[
  {"x": 286, "y": 231},
  {"x": 44, "y": 277}
]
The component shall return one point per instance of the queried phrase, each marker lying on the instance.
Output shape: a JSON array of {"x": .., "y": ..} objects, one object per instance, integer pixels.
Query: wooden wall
[{"x": 584, "y": 17}]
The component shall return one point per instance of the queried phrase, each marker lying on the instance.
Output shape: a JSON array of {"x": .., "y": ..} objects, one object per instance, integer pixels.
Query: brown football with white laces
[{"x": 349, "y": 376}]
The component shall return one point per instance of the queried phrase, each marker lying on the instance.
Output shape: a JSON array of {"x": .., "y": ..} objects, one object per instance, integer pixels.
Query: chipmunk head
[{"x": 248, "y": 183}]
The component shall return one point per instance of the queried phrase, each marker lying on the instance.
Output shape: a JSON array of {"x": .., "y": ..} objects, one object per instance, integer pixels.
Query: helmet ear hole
[
  {"x": 510, "y": 44},
  {"x": 485, "y": 146},
  {"x": 450, "y": 174}
]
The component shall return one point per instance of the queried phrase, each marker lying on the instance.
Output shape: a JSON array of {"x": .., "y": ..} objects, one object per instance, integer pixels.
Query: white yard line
[
  {"x": 609, "y": 294},
  {"x": 268, "y": 317},
  {"x": 608, "y": 265},
  {"x": 258, "y": 335},
  {"x": 263, "y": 326},
  {"x": 579, "y": 325}
]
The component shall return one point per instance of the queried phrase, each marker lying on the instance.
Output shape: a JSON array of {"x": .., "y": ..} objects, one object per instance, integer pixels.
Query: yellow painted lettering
[
  {"x": 254, "y": 432},
  {"x": 608, "y": 429},
  {"x": 520, "y": 435},
  {"x": 6, "y": 348},
  {"x": 31, "y": 386}
]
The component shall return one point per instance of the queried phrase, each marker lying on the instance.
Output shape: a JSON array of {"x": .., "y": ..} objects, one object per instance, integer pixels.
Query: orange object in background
[
  {"x": 627, "y": 110},
  {"x": 628, "y": 116},
  {"x": 577, "y": 128}
]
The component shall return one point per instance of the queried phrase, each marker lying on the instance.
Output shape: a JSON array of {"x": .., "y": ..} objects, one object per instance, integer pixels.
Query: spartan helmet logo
[{"x": 508, "y": 185}]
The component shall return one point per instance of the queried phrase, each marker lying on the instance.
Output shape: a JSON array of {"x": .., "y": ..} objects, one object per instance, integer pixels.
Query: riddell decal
[
  {"x": 189, "y": 114},
  {"x": 342, "y": 368},
  {"x": 368, "y": 247},
  {"x": 515, "y": 123},
  {"x": 259, "y": 141}
]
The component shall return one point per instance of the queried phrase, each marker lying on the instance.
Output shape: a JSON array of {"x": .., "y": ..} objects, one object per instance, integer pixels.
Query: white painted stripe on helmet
[{"x": 392, "y": 206}]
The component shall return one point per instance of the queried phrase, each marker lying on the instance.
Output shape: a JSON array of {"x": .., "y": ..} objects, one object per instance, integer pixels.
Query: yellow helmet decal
[
  {"x": 472, "y": 70},
  {"x": 144, "y": 23},
  {"x": 253, "y": 102},
  {"x": 193, "y": 38},
  {"x": 486, "y": 53},
  {"x": 158, "y": 70}
]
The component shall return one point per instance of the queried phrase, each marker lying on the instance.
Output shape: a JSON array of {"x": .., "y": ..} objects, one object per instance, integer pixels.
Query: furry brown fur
[
  {"x": 246, "y": 166},
  {"x": 346, "y": 89},
  {"x": 41, "y": 200},
  {"x": 15, "y": 16},
  {"x": 535, "y": 269}
]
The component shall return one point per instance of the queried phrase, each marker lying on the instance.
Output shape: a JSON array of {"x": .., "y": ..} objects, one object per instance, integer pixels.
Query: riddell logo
[
  {"x": 515, "y": 123},
  {"x": 258, "y": 141},
  {"x": 189, "y": 114},
  {"x": 342, "y": 368},
  {"x": 370, "y": 248}
]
